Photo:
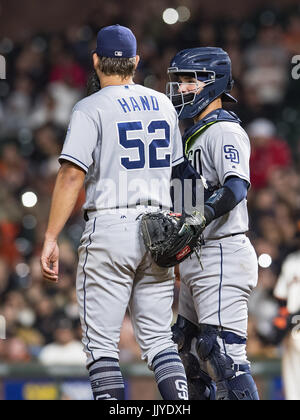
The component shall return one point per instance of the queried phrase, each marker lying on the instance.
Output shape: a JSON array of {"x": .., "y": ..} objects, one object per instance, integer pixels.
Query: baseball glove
[
  {"x": 171, "y": 238},
  {"x": 93, "y": 84}
]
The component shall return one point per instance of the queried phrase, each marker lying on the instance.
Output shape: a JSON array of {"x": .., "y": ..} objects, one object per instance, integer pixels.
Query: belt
[
  {"x": 138, "y": 210},
  {"x": 226, "y": 236}
]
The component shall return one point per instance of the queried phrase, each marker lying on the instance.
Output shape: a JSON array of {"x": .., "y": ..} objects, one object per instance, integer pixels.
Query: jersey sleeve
[
  {"x": 81, "y": 140},
  {"x": 177, "y": 152},
  {"x": 230, "y": 153}
]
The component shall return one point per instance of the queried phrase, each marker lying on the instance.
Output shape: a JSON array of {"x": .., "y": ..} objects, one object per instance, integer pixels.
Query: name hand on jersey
[{"x": 141, "y": 103}]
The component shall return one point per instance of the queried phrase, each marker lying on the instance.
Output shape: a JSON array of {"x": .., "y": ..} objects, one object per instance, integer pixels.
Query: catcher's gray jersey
[
  {"x": 223, "y": 150},
  {"x": 126, "y": 138},
  {"x": 219, "y": 292}
]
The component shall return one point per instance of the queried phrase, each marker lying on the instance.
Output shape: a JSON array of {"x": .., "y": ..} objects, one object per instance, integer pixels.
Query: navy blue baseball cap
[{"x": 116, "y": 41}]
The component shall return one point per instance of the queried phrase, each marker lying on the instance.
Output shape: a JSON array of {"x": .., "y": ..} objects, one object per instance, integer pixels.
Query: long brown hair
[{"x": 124, "y": 67}]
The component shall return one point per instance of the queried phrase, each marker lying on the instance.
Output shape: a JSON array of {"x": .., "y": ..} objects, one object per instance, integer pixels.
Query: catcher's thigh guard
[
  {"x": 217, "y": 365},
  {"x": 183, "y": 333}
]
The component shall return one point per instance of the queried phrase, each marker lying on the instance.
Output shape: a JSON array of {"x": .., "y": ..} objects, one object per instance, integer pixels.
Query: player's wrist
[
  {"x": 209, "y": 214},
  {"x": 50, "y": 237}
]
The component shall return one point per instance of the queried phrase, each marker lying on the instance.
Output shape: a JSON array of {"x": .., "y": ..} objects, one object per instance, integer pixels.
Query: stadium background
[{"x": 47, "y": 49}]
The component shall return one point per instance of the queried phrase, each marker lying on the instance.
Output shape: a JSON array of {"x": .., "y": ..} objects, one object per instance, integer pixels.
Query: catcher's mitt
[
  {"x": 93, "y": 84},
  {"x": 171, "y": 238}
]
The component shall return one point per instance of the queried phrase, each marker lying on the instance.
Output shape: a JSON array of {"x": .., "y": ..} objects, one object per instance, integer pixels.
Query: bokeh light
[
  {"x": 264, "y": 260},
  {"x": 184, "y": 13},
  {"x": 170, "y": 16},
  {"x": 22, "y": 270},
  {"x": 29, "y": 199}
]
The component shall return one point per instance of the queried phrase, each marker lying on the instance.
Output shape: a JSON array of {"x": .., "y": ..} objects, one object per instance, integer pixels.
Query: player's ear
[
  {"x": 137, "y": 60},
  {"x": 96, "y": 61}
]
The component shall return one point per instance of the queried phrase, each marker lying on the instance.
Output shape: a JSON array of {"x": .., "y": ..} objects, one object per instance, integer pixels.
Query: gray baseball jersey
[
  {"x": 218, "y": 294},
  {"x": 126, "y": 138},
  {"x": 223, "y": 150}
]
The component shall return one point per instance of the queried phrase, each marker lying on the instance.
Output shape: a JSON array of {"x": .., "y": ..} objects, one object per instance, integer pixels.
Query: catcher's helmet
[{"x": 210, "y": 65}]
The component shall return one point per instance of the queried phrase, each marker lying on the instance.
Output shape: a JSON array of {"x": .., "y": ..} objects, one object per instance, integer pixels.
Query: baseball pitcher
[{"x": 122, "y": 142}]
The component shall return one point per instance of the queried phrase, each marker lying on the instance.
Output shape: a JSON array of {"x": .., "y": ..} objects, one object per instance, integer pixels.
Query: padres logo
[{"x": 232, "y": 154}]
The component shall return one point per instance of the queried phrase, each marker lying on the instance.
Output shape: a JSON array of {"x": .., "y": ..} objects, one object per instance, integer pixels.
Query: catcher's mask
[{"x": 210, "y": 65}]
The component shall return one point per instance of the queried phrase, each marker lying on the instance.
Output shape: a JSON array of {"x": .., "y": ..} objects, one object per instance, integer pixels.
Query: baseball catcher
[{"x": 211, "y": 330}]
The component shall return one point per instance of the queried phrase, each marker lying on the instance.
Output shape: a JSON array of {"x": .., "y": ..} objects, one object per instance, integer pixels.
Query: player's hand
[
  {"x": 196, "y": 219},
  {"x": 49, "y": 260}
]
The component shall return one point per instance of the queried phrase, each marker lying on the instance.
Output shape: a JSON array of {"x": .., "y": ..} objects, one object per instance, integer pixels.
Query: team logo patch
[
  {"x": 231, "y": 153},
  {"x": 183, "y": 253}
]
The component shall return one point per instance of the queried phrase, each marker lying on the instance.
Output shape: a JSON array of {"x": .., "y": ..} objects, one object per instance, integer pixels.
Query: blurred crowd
[{"x": 46, "y": 76}]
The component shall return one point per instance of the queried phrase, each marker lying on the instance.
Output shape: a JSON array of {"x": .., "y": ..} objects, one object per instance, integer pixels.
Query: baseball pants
[
  {"x": 116, "y": 272},
  {"x": 218, "y": 295}
]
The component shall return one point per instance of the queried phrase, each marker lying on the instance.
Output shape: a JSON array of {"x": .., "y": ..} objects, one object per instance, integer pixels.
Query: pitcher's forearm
[{"x": 69, "y": 182}]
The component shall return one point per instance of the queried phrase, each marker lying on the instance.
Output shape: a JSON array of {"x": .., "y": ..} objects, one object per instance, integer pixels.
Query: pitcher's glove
[
  {"x": 93, "y": 84},
  {"x": 171, "y": 238}
]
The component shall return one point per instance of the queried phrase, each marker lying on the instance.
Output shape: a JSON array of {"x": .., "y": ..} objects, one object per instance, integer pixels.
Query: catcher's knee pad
[
  {"x": 241, "y": 387},
  {"x": 217, "y": 365},
  {"x": 183, "y": 333}
]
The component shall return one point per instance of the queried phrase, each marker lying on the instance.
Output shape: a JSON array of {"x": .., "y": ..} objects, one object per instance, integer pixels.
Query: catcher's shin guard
[
  {"x": 233, "y": 382},
  {"x": 241, "y": 387},
  {"x": 200, "y": 385}
]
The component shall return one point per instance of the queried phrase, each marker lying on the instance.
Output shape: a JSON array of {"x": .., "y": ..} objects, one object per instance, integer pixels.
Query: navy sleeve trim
[
  {"x": 232, "y": 173},
  {"x": 74, "y": 160}
]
